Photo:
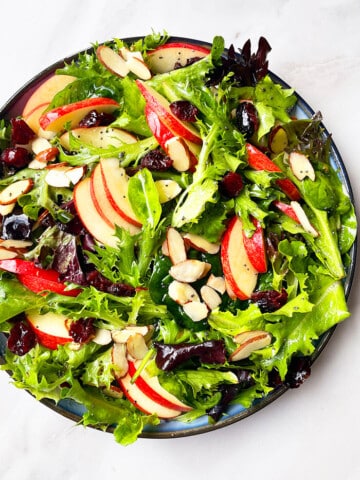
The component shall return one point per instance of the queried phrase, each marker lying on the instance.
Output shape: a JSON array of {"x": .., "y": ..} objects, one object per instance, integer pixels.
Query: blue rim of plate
[{"x": 173, "y": 429}]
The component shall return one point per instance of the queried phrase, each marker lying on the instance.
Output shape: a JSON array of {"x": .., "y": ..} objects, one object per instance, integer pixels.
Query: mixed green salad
[{"x": 173, "y": 240}]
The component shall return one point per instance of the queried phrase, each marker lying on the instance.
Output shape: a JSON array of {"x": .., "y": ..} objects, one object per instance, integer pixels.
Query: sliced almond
[
  {"x": 301, "y": 166},
  {"x": 119, "y": 359},
  {"x": 210, "y": 297},
  {"x": 36, "y": 164},
  {"x": 13, "y": 243},
  {"x": 40, "y": 144},
  {"x": 102, "y": 336},
  {"x": 126, "y": 54},
  {"x": 190, "y": 270},
  {"x": 136, "y": 346},
  {"x": 165, "y": 248},
  {"x": 217, "y": 283},
  {"x": 176, "y": 246},
  {"x": 179, "y": 153},
  {"x": 48, "y": 155},
  {"x": 12, "y": 192},
  {"x": 201, "y": 244},
  {"x": 112, "y": 61},
  {"x": 167, "y": 190},
  {"x": 249, "y": 342},
  {"x": 6, "y": 209},
  {"x": 6, "y": 254},
  {"x": 197, "y": 311},
  {"x": 303, "y": 219},
  {"x": 182, "y": 292},
  {"x": 75, "y": 174},
  {"x": 122, "y": 336},
  {"x": 56, "y": 177},
  {"x": 64, "y": 176}
]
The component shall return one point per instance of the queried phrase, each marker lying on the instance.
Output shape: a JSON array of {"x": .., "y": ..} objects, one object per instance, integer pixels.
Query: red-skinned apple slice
[
  {"x": 36, "y": 279},
  {"x": 259, "y": 161},
  {"x": 142, "y": 401},
  {"x": 166, "y": 57},
  {"x": 50, "y": 328},
  {"x": 115, "y": 181},
  {"x": 104, "y": 206},
  {"x": 90, "y": 217},
  {"x": 32, "y": 118},
  {"x": 161, "y": 106},
  {"x": 255, "y": 247},
  {"x": 71, "y": 113},
  {"x": 151, "y": 387},
  {"x": 188, "y": 156},
  {"x": 239, "y": 273},
  {"x": 45, "y": 92},
  {"x": 287, "y": 209}
]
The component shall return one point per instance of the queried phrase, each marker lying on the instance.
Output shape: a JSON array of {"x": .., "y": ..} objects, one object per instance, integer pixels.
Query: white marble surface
[{"x": 308, "y": 433}]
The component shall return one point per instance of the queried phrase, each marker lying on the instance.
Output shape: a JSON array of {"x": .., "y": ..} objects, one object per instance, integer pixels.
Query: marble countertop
[{"x": 310, "y": 432}]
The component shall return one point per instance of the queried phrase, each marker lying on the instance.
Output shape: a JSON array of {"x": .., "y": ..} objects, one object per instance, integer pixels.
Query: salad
[{"x": 173, "y": 240}]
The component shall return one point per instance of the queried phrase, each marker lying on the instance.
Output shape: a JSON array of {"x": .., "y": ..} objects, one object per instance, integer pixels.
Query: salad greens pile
[{"x": 304, "y": 274}]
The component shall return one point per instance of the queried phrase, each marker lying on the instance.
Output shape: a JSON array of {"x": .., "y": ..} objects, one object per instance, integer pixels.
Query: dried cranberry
[
  {"x": 17, "y": 157},
  {"x": 21, "y": 133},
  {"x": 299, "y": 370},
  {"x": 246, "y": 119},
  {"x": 21, "y": 339},
  {"x": 269, "y": 300},
  {"x": 82, "y": 330},
  {"x": 156, "y": 161},
  {"x": 184, "y": 110},
  {"x": 231, "y": 184},
  {"x": 274, "y": 379},
  {"x": 95, "y": 279},
  {"x": 96, "y": 119}
]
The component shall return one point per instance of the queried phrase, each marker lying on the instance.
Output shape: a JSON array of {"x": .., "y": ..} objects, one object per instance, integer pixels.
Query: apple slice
[
  {"x": 151, "y": 387},
  {"x": 239, "y": 272},
  {"x": 90, "y": 217},
  {"x": 45, "y": 92},
  {"x": 104, "y": 206},
  {"x": 249, "y": 342},
  {"x": 167, "y": 189},
  {"x": 116, "y": 181},
  {"x": 33, "y": 117},
  {"x": 171, "y": 55},
  {"x": 70, "y": 115},
  {"x": 161, "y": 106},
  {"x": 259, "y": 161},
  {"x": 182, "y": 152},
  {"x": 255, "y": 247},
  {"x": 287, "y": 209},
  {"x": 112, "y": 61},
  {"x": 99, "y": 137},
  {"x": 36, "y": 279},
  {"x": 50, "y": 328},
  {"x": 142, "y": 401}
]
